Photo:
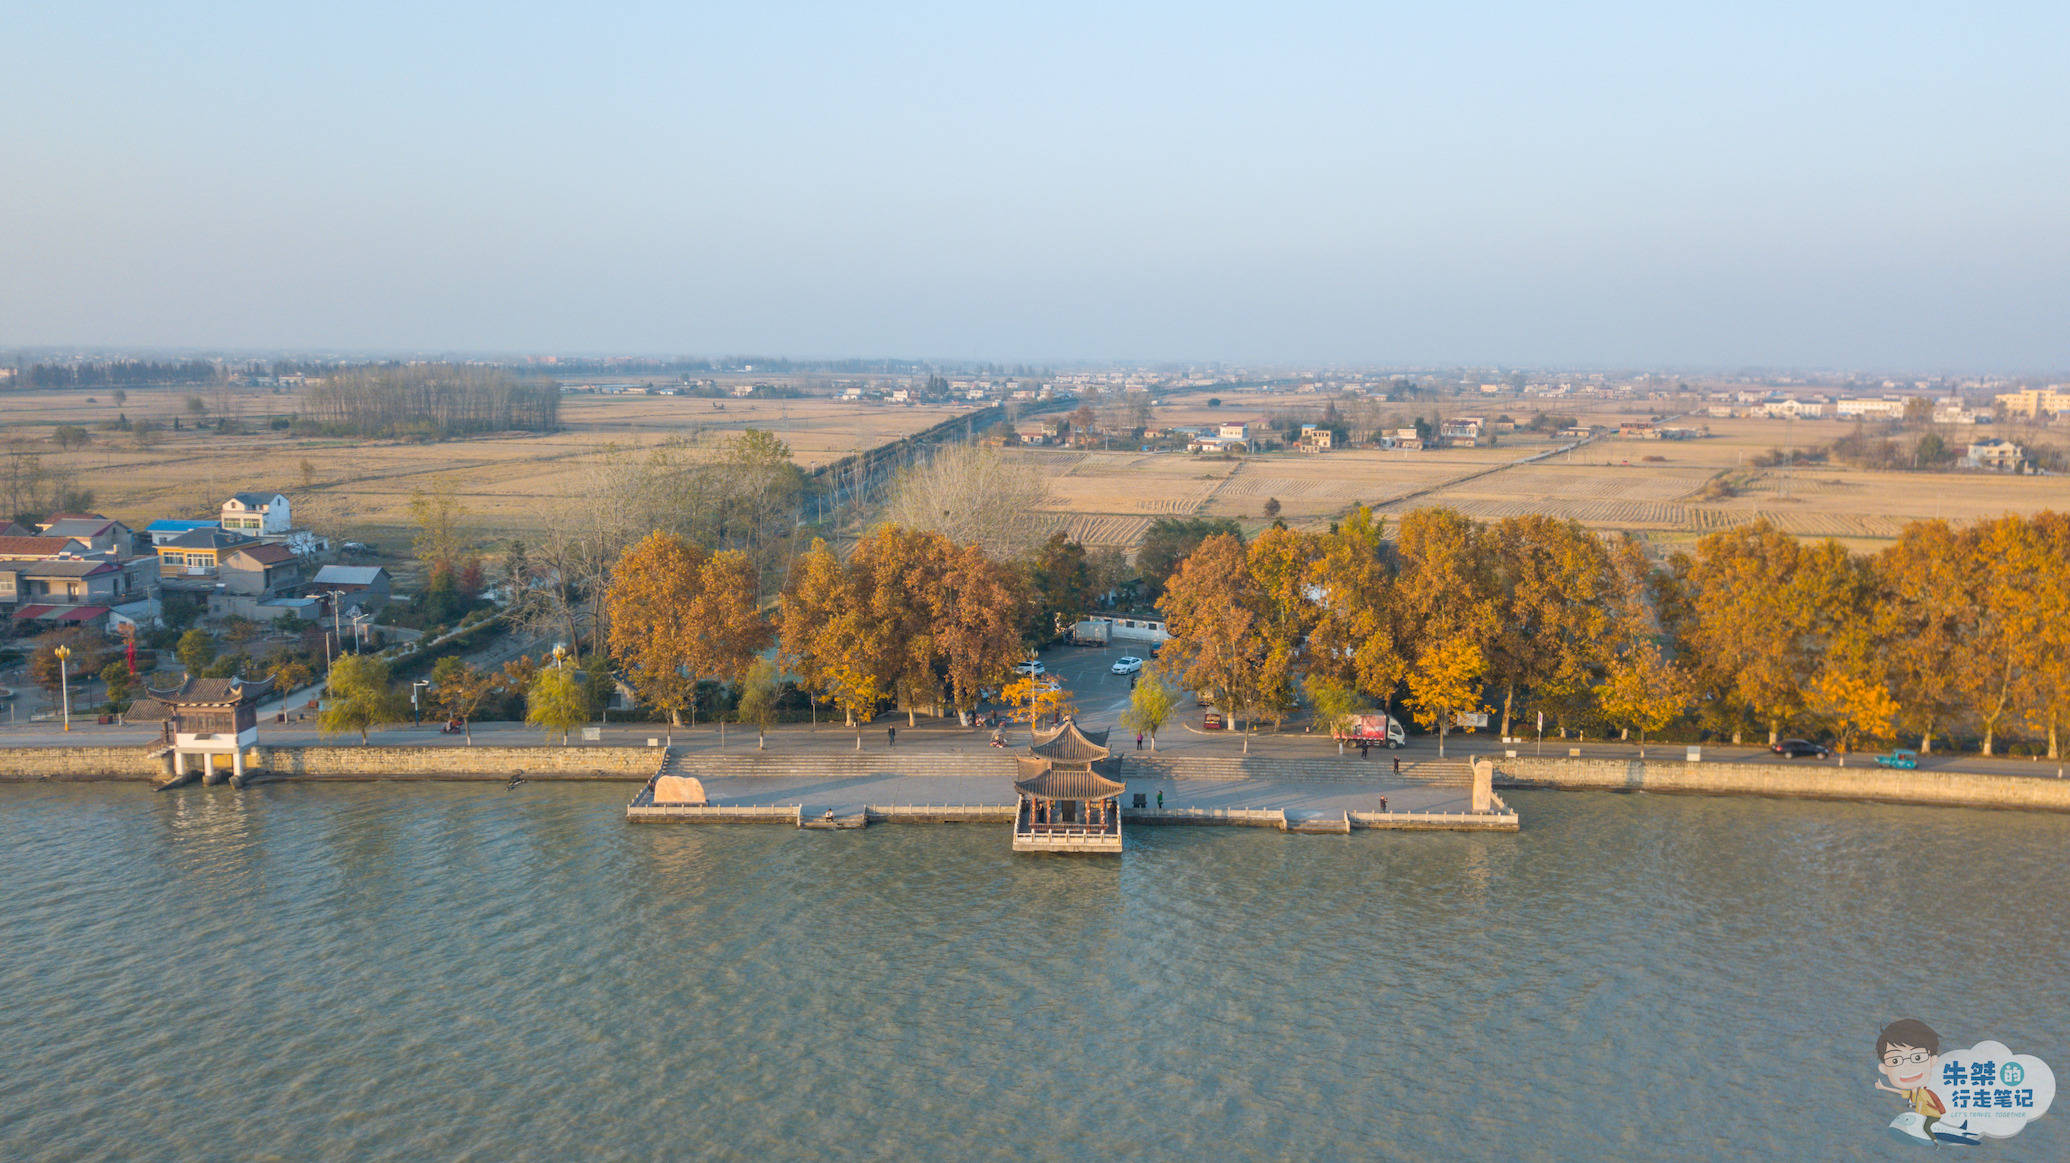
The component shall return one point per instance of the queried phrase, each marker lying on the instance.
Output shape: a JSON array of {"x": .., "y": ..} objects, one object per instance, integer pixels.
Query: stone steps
[
  {"x": 1000, "y": 764},
  {"x": 1331, "y": 770}
]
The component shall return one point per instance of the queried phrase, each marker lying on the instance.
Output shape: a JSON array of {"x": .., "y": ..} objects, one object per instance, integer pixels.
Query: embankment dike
[
  {"x": 639, "y": 764},
  {"x": 1951, "y": 789},
  {"x": 631, "y": 764}
]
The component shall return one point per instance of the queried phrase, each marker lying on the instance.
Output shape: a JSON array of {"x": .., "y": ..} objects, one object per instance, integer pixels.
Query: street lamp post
[
  {"x": 337, "y": 631},
  {"x": 414, "y": 704},
  {"x": 64, "y": 655}
]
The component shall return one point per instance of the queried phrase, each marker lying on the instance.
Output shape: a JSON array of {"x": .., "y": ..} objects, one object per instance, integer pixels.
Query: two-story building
[
  {"x": 165, "y": 530},
  {"x": 96, "y": 531},
  {"x": 1995, "y": 455},
  {"x": 1465, "y": 430},
  {"x": 197, "y": 554},
  {"x": 1316, "y": 439},
  {"x": 258, "y": 514},
  {"x": 260, "y": 570}
]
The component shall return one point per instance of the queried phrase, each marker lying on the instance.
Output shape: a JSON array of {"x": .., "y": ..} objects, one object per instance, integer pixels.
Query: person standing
[
  {"x": 891, "y": 736},
  {"x": 1397, "y": 765}
]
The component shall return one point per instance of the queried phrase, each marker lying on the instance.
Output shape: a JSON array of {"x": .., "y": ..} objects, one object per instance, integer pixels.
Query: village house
[
  {"x": 1461, "y": 430},
  {"x": 1995, "y": 455},
  {"x": 258, "y": 514},
  {"x": 162, "y": 531},
  {"x": 1316, "y": 439},
  {"x": 1885, "y": 408},
  {"x": 96, "y": 531},
  {"x": 364, "y": 586},
  {"x": 260, "y": 570},
  {"x": 197, "y": 553},
  {"x": 36, "y": 547},
  {"x": 1794, "y": 409},
  {"x": 1955, "y": 411}
]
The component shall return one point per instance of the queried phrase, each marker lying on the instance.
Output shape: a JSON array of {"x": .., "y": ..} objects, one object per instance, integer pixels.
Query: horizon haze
[{"x": 1612, "y": 184}]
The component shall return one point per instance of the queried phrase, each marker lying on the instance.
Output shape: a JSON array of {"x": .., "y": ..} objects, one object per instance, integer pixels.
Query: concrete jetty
[{"x": 1309, "y": 797}]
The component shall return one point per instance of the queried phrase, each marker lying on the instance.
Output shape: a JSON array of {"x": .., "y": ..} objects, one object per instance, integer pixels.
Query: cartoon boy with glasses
[{"x": 1905, "y": 1053}]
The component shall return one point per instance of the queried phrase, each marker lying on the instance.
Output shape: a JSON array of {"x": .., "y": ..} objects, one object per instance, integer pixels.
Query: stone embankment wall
[
  {"x": 634, "y": 764},
  {"x": 28, "y": 764},
  {"x": 626, "y": 763},
  {"x": 1943, "y": 788}
]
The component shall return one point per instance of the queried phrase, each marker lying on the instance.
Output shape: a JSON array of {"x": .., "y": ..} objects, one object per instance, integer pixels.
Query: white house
[
  {"x": 1995, "y": 455},
  {"x": 1794, "y": 409},
  {"x": 1885, "y": 408},
  {"x": 257, "y": 514}
]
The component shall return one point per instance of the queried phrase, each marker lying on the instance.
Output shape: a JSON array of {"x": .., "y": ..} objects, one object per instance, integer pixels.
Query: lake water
[{"x": 460, "y": 972}]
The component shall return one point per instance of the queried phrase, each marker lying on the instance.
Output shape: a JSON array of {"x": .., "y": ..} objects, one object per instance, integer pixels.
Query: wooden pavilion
[
  {"x": 1066, "y": 806},
  {"x": 205, "y": 718}
]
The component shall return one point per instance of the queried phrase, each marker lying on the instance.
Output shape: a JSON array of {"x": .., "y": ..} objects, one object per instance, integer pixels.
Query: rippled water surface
[{"x": 460, "y": 972}]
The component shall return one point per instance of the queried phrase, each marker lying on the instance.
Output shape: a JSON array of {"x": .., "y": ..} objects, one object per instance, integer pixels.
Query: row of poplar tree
[{"x": 1947, "y": 633}]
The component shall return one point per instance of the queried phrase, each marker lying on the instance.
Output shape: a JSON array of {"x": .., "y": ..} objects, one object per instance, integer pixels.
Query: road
[{"x": 1084, "y": 671}]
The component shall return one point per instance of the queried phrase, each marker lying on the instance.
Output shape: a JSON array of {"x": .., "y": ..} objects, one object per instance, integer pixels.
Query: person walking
[
  {"x": 1160, "y": 799},
  {"x": 891, "y": 736},
  {"x": 1362, "y": 749},
  {"x": 1397, "y": 765},
  {"x": 1139, "y": 740}
]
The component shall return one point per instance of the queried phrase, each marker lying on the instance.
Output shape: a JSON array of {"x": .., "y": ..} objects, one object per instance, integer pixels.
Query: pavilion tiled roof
[
  {"x": 1044, "y": 782},
  {"x": 147, "y": 710},
  {"x": 214, "y": 691},
  {"x": 1066, "y": 743}
]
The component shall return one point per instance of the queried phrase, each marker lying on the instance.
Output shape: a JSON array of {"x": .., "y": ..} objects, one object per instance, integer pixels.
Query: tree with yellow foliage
[
  {"x": 679, "y": 615},
  {"x": 653, "y": 625},
  {"x": 1211, "y": 614},
  {"x": 856, "y": 690},
  {"x": 1921, "y": 622},
  {"x": 1034, "y": 700},
  {"x": 1447, "y": 615},
  {"x": 1643, "y": 690},
  {"x": 810, "y": 610}
]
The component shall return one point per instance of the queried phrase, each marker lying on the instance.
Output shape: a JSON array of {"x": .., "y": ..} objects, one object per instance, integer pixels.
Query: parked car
[
  {"x": 1032, "y": 666},
  {"x": 1902, "y": 757},
  {"x": 1127, "y": 664},
  {"x": 1798, "y": 748}
]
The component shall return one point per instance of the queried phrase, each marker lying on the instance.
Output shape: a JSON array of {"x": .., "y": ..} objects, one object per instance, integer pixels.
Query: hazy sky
[{"x": 1732, "y": 182}]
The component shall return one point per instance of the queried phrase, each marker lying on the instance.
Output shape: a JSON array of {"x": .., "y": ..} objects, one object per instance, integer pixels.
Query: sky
[{"x": 1668, "y": 184}]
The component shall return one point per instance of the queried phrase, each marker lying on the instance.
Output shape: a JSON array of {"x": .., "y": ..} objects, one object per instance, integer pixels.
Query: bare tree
[{"x": 974, "y": 495}]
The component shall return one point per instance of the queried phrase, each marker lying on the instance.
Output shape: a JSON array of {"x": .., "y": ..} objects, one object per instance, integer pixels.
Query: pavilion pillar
[
  {"x": 208, "y": 767},
  {"x": 179, "y": 762},
  {"x": 237, "y": 765}
]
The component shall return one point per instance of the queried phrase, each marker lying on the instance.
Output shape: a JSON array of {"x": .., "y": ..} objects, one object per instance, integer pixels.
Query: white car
[
  {"x": 1127, "y": 664},
  {"x": 1032, "y": 666}
]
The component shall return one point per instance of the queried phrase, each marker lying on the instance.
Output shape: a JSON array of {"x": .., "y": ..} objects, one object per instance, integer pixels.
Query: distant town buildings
[{"x": 2035, "y": 403}]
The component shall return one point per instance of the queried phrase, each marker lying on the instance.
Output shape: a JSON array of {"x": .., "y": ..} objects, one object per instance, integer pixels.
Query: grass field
[
  {"x": 1649, "y": 488},
  {"x": 360, "y": 490}
]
